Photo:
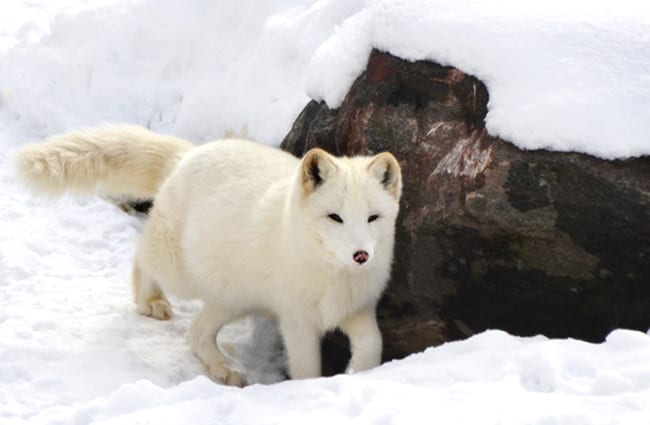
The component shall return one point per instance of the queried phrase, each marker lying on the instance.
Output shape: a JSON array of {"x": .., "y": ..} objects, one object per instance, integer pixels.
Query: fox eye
[
  {"x": 372, "y": 218},
  {"x": 335, "y": 217}
]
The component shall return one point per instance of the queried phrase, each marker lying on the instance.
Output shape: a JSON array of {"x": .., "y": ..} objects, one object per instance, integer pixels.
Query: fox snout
[{"x": 361, "y": 256}]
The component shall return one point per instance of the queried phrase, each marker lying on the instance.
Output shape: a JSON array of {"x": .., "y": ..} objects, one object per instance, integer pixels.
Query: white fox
[{"x": 246, "y": 228}]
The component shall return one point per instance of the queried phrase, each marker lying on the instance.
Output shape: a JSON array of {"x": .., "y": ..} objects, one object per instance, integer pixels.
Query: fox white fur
[{"x": 246, "y": 228}]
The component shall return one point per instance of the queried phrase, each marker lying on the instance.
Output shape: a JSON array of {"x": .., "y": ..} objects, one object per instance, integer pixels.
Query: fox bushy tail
[{"x": 120, "y": 159}]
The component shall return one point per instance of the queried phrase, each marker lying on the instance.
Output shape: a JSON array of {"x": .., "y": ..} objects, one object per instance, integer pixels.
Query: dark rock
[{"x": 489, "y": 236}]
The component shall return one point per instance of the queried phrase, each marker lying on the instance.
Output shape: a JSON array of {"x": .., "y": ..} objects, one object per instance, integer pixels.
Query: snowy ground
[{"x": 570, "y": 75}]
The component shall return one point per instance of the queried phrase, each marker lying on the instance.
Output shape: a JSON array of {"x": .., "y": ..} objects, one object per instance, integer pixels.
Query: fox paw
[
  {"x": 158, "y": 308},
  {"x": 227, "y": 376}
]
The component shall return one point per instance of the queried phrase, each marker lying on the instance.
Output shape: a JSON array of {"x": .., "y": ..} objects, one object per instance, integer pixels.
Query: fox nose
[{"x": 361, "y": 257}]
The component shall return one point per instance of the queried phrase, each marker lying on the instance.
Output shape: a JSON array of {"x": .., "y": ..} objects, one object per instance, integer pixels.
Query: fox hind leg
[
  {"x": 203, "y": 339},
  {"x": 149, "y": 297},
  {"x": 155, "y": 260}
]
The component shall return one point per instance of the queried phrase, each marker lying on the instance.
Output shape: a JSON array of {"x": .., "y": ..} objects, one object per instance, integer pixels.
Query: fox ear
[
  {"x": 317, "y": 166},
  {"x": 386, "y": 169}
]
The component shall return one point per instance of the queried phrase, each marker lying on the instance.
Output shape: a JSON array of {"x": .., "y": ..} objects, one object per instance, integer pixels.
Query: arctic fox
[{"x": 246, "y": 228}]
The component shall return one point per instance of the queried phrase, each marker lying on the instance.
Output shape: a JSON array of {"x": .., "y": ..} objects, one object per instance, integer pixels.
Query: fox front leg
[
  {"x": 302, "y": 343},
  {"x": 365, "y": 340}
]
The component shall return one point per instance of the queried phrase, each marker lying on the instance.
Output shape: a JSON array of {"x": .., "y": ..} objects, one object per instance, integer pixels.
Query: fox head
[{"x": 350, "y": 206}]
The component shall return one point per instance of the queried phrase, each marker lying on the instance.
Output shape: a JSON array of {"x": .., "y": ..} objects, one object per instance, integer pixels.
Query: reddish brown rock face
[{"x": 489, "y": 236}]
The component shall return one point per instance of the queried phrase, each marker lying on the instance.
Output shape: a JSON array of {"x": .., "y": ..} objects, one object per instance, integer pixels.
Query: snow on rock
[{"x": 565, "y": 76}]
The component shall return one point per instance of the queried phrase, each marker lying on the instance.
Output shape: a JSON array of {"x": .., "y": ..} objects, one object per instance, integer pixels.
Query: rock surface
[{"x": 489, "y": 236}]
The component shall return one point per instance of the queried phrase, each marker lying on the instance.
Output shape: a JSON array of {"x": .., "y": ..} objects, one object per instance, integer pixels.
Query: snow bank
[
  {"x": 201, "y": 69},
  {"x": 489, "y": 379},
  {"x": 562, "y": 75}
]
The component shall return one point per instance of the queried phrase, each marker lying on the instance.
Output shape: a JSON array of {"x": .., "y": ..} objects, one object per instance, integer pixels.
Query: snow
[
  {"x": 563, "y": 75},
  {"x": 567, "y": 75}
]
